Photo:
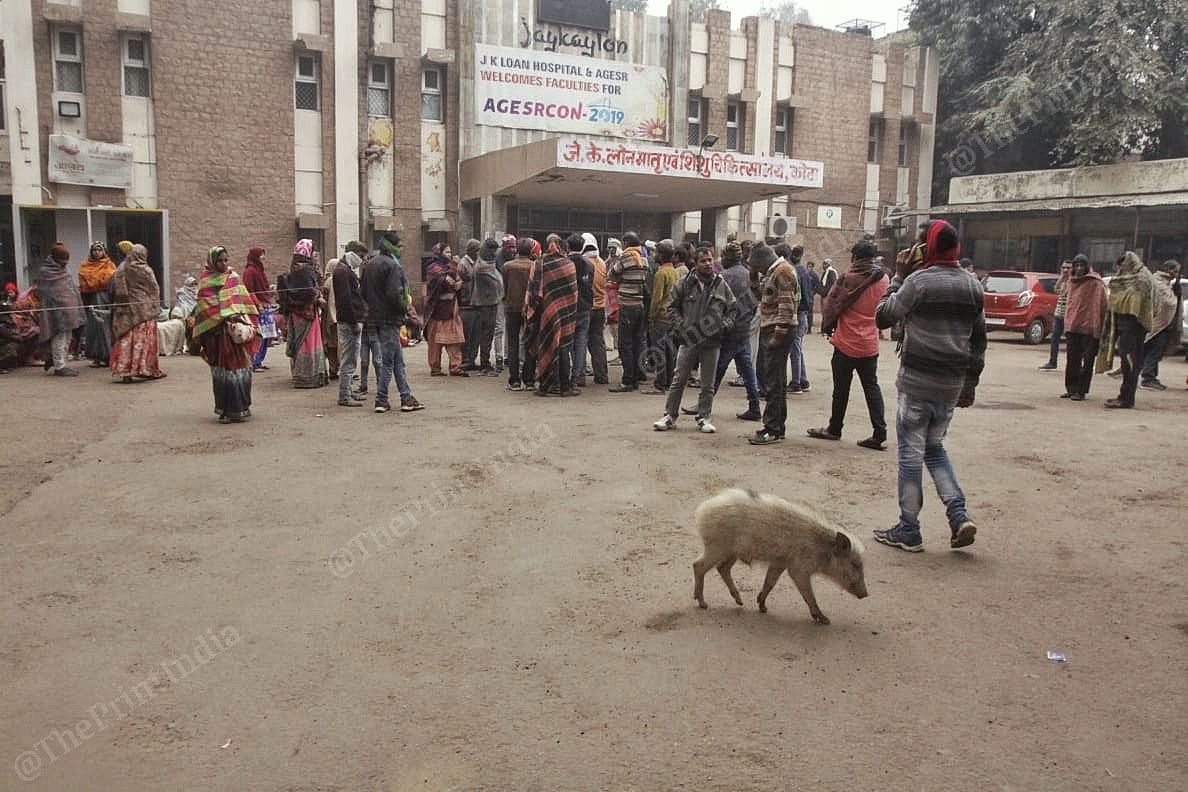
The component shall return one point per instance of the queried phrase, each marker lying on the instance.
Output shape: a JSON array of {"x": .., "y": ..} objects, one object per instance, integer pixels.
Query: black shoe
[
  {"x": 1048, "y": 367},
  {"x": 623, "y": 388},
  {"x": 1076, "y": 397},
  {"x": 764, "y": 437},
  {"x": 598, "y": 381},
  {"x": 469, "y": 367},
  {"x": 1066, "y": 395},
  {"x": 873, "y": 443},
  {"x": 750, "y": 415},
  {"x": 1116, "y": 404}
]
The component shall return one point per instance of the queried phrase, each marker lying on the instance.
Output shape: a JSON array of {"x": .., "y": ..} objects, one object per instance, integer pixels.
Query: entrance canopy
[{"x": 598, "y": 173}]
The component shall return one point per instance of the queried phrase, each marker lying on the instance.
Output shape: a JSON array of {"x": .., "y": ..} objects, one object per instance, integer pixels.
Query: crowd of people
[{"x": 679, "y": 315}]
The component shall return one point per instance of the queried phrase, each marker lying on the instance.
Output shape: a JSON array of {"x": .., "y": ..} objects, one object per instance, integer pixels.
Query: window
[
  {"x": 379, "y": 89},
  {"x": 136, "y": 66},
  {"x": 696, "y": 120},
  {"x": 306, "y": 86},
  {"x": 904, "y": 134},
  {"x": 783, "y": 131},
  {"x": 433, "y": 93},
  {"x": 874, "y": 141},
  {"x": 68, "y": 69},
  {"x": 734, "y": 123}
]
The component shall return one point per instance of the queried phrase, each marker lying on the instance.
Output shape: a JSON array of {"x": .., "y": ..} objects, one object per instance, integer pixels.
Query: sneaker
[
  {"x": 873, "y": 443},
  {"x": 898, "y": 537},
  {"x": 705, "y": 427},
  {"x": 1076, "y": 397},
  {"x": 65, "y": 372},
  {"x": 622, "y": 388},
  {"x": 659, "y": 390},
  {"x": 409, "y": 404},
  {"x": 362, "y": 391},
  {"x": 515, "y": 386},
  {"x": 1154, "y": 385},
  {"x": 382, "y": 407},
  {"x": 1113, "y": 404},
  {"x": 349, "y": 403},
  {"x": 1066, "y": 395},
  {"x": 805, "y": 387},
  {"x": 752, "y": 414},
  {"x": 737, "y": 382},
  {"x": 764, "y": 437},
  {"x": 1116, "y": 373},
  {"x": 963, "y": 534},
  {"x": 664, "y": 424},
  {"x": 823, "y": 434},
  {"x": 796, "y": 390},
  {"x": 688, "y": 411},
  {"x": 1048, "y": 367}
]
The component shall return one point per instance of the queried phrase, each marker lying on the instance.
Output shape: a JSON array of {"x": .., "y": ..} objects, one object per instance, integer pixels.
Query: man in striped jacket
[{"x": 942, "y": 355}]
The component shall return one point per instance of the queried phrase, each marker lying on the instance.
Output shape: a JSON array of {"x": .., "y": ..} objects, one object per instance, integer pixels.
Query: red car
[{"x": 1021, "y": 301}]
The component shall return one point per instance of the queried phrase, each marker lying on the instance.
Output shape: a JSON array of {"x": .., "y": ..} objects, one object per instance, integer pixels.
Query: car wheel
[{"x": 1035, "y": 332}]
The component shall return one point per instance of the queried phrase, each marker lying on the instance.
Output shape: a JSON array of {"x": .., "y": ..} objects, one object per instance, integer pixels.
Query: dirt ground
[{"x": 496, "y": 593}]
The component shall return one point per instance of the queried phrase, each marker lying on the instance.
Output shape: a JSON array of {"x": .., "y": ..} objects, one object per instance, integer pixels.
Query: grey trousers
[
  {"x": 348, "y": 356},
  {"x": 704, "y": 356}
]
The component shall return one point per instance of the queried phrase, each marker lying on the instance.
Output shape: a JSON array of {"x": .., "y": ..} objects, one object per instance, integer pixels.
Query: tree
[
  {"x": 785, "y": 11},
  {"x": 697, "y": 8},
  {"x": 1055, "y": 83},
  {"x": 630, "y": 5}
]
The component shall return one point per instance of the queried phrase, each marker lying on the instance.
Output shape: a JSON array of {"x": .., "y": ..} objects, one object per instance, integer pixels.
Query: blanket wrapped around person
[
  {"x": 223, "y": 302},
  {"x": 136, "y": 303}
]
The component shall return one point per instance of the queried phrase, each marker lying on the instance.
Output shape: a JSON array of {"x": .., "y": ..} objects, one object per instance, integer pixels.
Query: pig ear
[{"x": 842, "y": 543}]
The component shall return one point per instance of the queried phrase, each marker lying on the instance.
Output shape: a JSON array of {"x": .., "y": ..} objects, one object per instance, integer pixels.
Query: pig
[{"x": 739, "y": 524}]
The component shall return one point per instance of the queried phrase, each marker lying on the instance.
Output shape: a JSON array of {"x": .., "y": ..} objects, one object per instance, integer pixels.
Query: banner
[
  {"x": 529, "y": 89},
  {"x": 573, "y": 152},
  {"x": 89, "y": 162}
]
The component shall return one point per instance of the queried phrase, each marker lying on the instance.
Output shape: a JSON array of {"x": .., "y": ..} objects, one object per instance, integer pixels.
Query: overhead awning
[
  {"x": 1172, "y": 200},
  {"x": 596, "y": 173}
]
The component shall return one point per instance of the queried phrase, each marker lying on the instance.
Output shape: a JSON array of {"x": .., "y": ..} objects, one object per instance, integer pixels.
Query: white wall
[
  {"x": 140, "y": 133},
  {"x": 433, "y": 25},
  {"x": 307, "y": 150},
  {"x": 133, "y": 7},
  {"x": 307, "y": 17},
  {"x": 346, "y": 122}
]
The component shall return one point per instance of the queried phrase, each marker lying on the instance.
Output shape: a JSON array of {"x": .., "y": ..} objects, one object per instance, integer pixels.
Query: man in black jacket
[
  {"x": 351, "y": 310},
  {"x": 585, "y": 302},
  {"x": 384, "y": 288}
]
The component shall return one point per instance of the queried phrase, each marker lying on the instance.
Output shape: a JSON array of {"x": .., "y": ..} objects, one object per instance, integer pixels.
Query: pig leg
[
  {"x": 805, "y": 585},
  {"x": 773, "y": 575},
  {"x": 724, "y": 571},
  {"x": 700, "y": 567}
]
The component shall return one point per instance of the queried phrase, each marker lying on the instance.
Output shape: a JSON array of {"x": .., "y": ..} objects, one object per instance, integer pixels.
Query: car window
[
  {"x": 1005, "y": 284},
  {"x": 1049, "y": 285}
]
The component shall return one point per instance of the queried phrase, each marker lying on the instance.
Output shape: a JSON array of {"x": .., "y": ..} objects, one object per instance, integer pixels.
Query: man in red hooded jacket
[{"x": 942, "y": 355}]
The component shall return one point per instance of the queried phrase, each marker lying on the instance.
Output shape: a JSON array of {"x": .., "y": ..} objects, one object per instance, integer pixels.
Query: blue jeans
[
  {"x": 738, "y": 351},
  {"x": 799, "y": 375},
  {"x": 391, "y": 362},
  {"x": 581, "y": 337},
  {"x": 258, "y": 358},
  {"x": 921, "y": 427},
  {"x": 369, "y": 352},
  {"x": 348, "y": 353}
]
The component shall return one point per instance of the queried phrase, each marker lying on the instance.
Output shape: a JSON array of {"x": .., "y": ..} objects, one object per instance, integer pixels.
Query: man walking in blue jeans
[
  {"x": 943, "y": 352},
  {"x": 384, "y": 289}
]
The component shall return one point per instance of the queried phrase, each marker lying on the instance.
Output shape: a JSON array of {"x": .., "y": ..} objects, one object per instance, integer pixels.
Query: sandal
[
  {"x": 873, "y": 444},
  {"x": 824, "y": 434}
]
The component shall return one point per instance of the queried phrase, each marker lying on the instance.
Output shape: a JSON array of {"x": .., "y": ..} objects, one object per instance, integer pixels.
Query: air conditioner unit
[{"x": 780, "y": 226}]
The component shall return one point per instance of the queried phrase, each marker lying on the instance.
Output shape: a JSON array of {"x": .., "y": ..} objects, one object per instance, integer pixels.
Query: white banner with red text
[{"x": 575, "y": 152}]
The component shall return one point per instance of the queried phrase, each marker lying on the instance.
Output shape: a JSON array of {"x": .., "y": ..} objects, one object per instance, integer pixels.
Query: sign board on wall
[
  {"x": 829, "y": 217},
  {"x": 91, "y": 163},
  {"x": 569, "y": 93},
  {"x": 592, "y": 14},
  {"x": 575, "y": 152}
]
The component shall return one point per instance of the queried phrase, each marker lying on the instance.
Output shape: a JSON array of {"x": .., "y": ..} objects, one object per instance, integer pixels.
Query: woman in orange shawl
[{"x": 94, "y": 277}]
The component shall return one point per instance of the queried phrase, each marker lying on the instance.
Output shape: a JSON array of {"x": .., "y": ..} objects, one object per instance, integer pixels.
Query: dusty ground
[{"x": 274, "y": 606}]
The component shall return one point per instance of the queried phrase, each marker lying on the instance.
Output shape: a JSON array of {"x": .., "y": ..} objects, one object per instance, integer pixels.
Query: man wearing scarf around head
[
  {"x": 941, "y": 358},
  {"x": 136, "y": 303},
  {"x": 61, "y": 307},
  {"x": 1133, "y": 297},
  {"x": 94, "y": 276},
  {"x": 385, "y": 291},
  {"x": 222, "y": 302}
]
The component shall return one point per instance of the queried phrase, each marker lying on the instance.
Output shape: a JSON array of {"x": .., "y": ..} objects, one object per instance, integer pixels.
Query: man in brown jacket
[
  {"x": 515, "y": 282},
  {"x": 777, "y": 324}
]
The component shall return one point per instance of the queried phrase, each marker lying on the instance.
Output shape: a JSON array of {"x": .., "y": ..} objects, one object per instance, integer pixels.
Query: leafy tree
[
  {"x": 697, "y": 8},
  {"x": 630, "y": 5},
  {"x": 786, "y": 11},
  {"x": 1055, "y": 83}
]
